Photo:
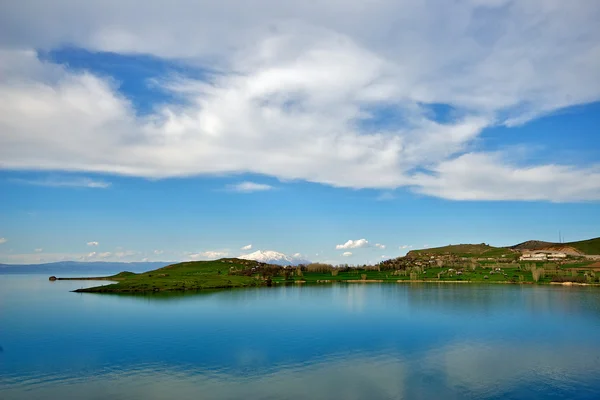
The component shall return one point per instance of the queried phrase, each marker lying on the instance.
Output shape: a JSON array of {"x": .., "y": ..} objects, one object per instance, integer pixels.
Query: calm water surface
[{"x": 314, "y": 342}]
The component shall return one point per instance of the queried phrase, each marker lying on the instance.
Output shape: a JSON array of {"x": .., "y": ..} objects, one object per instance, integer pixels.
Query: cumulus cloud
[
  {"x": 65, "y": 182},
  {"x": 249, "y": 187},
  {"x": 93, "y": 243},
  {"x": 247, "y": 247},
  {"x": 486, "y": 176},
  {"x": 353, "y": 244},
  {"x": 380, "y": 246},
  {"x": 347, "y": 254},
  {"x": 3, "y": 240},
  {"x": 304, "y": 99}
]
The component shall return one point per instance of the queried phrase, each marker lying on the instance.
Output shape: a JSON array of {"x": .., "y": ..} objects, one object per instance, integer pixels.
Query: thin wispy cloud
[
  {"x": 347, "y": 253},
  {"x": 3, "y": 240},
  {"x": 210, "y": 254},
  {"x": 247, "y": 247},
  {"x": 380, "y": 246},
  {"x": 385, "y": 196},
  {"x": 92, "y": 243},
  {"x": 65, "y": 182},
  {"x": 249, "y": 187}
]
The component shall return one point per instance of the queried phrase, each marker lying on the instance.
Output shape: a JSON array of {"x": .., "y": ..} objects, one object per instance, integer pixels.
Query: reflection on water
[{"x": 299, "y": 342}]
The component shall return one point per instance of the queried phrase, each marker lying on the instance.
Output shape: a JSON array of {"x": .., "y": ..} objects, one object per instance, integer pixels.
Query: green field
[{"x": 235, "y": 273}]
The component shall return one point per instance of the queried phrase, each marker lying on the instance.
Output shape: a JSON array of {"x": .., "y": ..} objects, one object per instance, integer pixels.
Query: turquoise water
[{"x": 389, "y": 341}]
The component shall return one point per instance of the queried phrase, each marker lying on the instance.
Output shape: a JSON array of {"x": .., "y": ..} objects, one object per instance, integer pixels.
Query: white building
[{"x": 534, "y": 257}]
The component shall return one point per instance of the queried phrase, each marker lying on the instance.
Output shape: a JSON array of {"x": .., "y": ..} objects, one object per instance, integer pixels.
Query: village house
[{"x": 537, "y": 256}]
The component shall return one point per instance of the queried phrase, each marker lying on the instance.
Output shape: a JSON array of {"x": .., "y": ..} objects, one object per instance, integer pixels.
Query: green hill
[
  {"x": 464, "y": 250},
  {"x": 193, "y": 275},
  {"x": 590, "y": 246}
]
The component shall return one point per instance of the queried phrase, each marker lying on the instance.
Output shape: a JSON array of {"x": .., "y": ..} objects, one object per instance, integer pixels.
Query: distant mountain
[
  {"x": 582, "y": 247},
  {"x": 273, "y": 257},
  {"x": 74, "y": 267}
]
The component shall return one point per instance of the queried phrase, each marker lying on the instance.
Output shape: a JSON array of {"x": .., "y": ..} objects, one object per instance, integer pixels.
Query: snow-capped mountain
[{"x": 274, "y": 257}]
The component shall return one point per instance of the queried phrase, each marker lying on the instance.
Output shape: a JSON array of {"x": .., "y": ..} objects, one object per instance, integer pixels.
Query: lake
[{"x": 361, "y": 341}]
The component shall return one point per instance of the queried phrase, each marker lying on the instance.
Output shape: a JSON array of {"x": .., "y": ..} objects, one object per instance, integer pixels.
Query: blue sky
[{"x": 129, "y": 134}]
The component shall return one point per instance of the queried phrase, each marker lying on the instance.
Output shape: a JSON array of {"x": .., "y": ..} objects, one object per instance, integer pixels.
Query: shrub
[
  {"x": 577, "y": 279},
  {"x": 537, "y": 273},
  {"x": 319, "y": 267}
]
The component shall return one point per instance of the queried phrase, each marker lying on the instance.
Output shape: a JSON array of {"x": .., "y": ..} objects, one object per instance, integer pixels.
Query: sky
[{"x": 337, "y": 131}]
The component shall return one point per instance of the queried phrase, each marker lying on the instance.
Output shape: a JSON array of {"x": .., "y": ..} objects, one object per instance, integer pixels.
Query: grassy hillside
[
  {"x": 194, "y": 275},
  {"x": 464, "y": 250},
  {"x": 532, "y": 245},
  {"x": 590, "y": 246}
]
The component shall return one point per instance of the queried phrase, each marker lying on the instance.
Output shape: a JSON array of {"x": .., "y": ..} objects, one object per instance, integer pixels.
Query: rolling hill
[
  {"x": 464, "y": 250},
  {"x": 582, "y": 247}
]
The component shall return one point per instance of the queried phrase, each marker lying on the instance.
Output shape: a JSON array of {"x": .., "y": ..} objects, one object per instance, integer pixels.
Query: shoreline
[{"x": 103, "y": 289}]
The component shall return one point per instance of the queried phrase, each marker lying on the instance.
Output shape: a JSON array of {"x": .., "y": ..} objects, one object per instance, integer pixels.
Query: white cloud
[
  {"x": 38, "y": 250},
  {"x": 347, "y": 254},
  {"x": 65, "y": 182},
  {"x": 3, "y": 240},
  {"x": 123, "y": 254},
  {"x": 247, "y": 247},
  {"x": 207, "y": 255},
  {"x": 384, "y": 256},
  {"x": 300, "y": 99},
  {"x": 298, "y": 255},
  {"x": 380, "y": 246},
  {"x": 405, "y": 246},
  {"x": 353, "y": 244},
  {"x": 486, "y": 176},
  {"x": 249, "y": 187},
  {"x": 158, "y": 252},
  {"x": 45, "y": 257},
  {"x": 93, "y": 243}
]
